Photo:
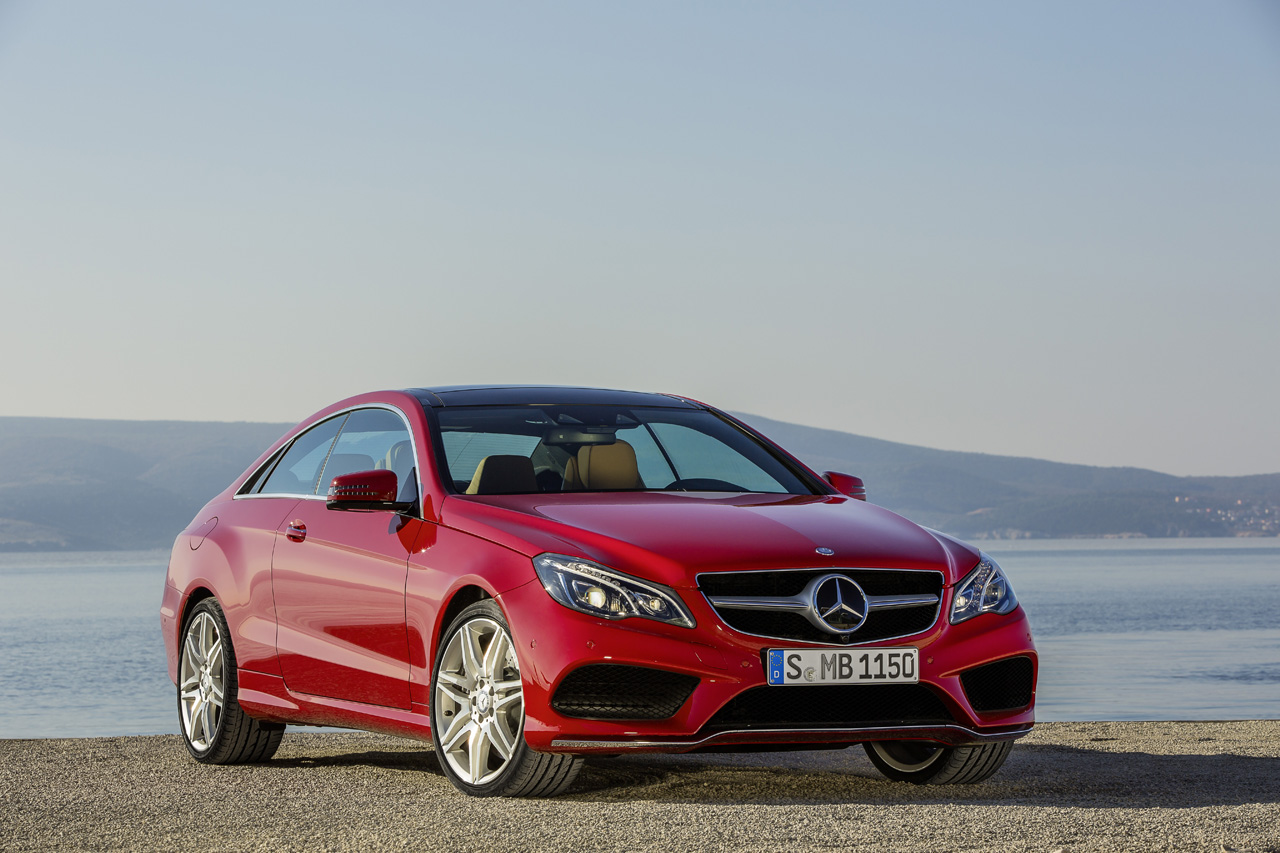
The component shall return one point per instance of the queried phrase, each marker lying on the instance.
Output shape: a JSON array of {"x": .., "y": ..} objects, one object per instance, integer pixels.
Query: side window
[
  {"x": 300, "y": 467},
  {"x": 372, "y": 439},
  {"x": 697, "y": 455}
]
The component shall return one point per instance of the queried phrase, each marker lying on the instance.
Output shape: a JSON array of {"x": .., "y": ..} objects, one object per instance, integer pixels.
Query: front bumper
[{"x": 554, "y": 641}]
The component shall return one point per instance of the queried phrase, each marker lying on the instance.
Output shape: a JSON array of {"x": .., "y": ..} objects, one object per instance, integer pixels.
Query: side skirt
[{"x": 266, "y": 698}]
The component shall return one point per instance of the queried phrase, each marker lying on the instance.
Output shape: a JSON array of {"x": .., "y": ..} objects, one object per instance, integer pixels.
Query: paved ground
[{"x": 1067, "y": 787}]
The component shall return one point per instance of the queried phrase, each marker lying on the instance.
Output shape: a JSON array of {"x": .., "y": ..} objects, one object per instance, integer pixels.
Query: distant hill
[
  {"x": 982, "y": 496},
  {"x": 99, "y": 484}
]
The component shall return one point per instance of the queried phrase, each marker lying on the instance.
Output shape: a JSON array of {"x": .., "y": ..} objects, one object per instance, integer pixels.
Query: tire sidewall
[
  {"x": 499, "y": 786},
  {"x": 916, "y": 777}
]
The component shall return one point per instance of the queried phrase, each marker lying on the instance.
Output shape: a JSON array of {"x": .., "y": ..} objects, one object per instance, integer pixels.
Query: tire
[
  {"x": 923, "y": 763},
  {"x": 214, "y": 727},
  {"x": 477, "y": 713}
]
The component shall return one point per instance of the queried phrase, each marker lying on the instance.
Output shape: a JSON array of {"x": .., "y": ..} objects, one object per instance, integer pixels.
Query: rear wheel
[
  {"x": 925, "y": 763},
  {"x": 477, "y": 713},
  {"x": 214, "y": 727}
]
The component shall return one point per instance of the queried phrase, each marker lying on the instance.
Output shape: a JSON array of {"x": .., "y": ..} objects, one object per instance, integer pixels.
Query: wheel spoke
[
  {"x": 471, "y": 658},
  {"x": 478, "y": 753},
  {"x": 206, "y": 721},
  {"x": 215, "y": 655},
  {"x": 190, "y": 682},
  {"x": 208, "y": 633},
  {"x": 458, "y": 729},
  {"x": 215, "y": 691},
  {"x": 502, "y": 740},
  {"x": 193, "y": 653},
  {"x": 496, "y": 653},
  {"x": 463, "y": 700},
  {"x": 197, "y": 719},
  {"x": 501, "y": 702},
  {"x": 457, "y": 679}
]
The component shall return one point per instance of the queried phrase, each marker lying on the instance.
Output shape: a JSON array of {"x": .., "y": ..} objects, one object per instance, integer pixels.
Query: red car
[{"x": 528, "y": 575}]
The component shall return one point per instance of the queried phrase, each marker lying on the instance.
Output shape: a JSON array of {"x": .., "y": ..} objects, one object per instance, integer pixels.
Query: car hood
[{"x": 669, "y": 537}]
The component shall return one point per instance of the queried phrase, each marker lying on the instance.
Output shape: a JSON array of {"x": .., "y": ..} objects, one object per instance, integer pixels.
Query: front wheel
[
  {"x": 923, "y": 763},
  {"x": 477, "y": 713},
  {"x": 214, "y": 727}
]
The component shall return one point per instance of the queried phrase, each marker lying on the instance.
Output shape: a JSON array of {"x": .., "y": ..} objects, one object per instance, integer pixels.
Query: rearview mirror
[
  {"x": 365, "y": 491},
  {"x": 846, "y": 484},
  {"x": 580, "y": 435}
]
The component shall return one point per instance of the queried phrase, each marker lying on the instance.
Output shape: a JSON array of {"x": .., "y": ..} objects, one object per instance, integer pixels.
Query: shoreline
[{"x": 1133, "y": 785}]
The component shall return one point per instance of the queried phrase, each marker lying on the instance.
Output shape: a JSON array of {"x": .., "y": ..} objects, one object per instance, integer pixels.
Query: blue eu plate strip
[{"x": 775, "y": 666}]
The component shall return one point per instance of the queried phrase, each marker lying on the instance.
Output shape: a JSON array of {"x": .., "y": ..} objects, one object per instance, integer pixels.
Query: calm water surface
[{"x": 1137, "y": 629}]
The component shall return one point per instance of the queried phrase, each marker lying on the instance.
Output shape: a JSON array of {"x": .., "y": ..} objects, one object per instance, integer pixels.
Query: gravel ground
[{"x": 1067, "y": 787}]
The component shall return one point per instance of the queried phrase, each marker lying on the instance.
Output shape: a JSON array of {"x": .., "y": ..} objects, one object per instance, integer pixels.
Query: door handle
[{"x": 297, "y": 532}]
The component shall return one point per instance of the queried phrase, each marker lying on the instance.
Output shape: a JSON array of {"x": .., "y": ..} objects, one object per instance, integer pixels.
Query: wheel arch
[
  {"x": 461, "y": 599},
  {"x": 194, "y": 597}
]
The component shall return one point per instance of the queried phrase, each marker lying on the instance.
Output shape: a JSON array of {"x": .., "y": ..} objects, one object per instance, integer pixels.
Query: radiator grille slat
[{"x": 783, "y": 625}]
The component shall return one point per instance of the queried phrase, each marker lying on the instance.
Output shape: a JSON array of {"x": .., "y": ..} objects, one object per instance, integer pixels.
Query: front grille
[
  {"x": 1005, "y": 685},
  {"x": 791, "y": 582},
  {"x": 784, "y": 625},
  {"x": 833, "y": 706},
  {"x": 606, "y": 691}
]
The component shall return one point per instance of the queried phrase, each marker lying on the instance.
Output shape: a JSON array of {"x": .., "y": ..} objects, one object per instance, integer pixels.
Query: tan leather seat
[
  {"x": 503, "y": 475},
  {"x": 603, "y": 467}
]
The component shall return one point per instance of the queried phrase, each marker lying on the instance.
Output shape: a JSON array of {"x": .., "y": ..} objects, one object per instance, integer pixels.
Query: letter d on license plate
[{"x": 852, "y": 666}]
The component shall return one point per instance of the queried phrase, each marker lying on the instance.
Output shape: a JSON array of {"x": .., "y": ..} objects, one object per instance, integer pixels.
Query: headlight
[
  {"x": 591, "y": 588},
  {"x": 984, "y": 590}
]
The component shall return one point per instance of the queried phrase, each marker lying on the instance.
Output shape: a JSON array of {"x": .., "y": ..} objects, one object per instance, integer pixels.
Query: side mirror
[
  {"x": 365, "y": 491},
  {"x": 846, "y": 484}
]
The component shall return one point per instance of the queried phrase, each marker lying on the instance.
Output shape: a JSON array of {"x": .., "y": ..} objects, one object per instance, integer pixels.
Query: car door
[{"x": 339, "y": 577}]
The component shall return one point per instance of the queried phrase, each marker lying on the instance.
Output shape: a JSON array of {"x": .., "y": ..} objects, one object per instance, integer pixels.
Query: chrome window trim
[
  {"x": 417, "y": 463},
  {"x": 769, "y": 603}
]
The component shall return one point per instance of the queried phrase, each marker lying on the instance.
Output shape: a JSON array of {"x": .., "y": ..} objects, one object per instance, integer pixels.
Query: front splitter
[{"x": 950, "y": 735}]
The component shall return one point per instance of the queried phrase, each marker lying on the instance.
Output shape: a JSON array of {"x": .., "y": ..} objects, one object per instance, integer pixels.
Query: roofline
[{"x": 443, "y": 396}]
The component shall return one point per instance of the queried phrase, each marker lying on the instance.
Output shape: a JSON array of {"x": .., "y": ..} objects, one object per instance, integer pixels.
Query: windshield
[{"x": 526, "y": 449}]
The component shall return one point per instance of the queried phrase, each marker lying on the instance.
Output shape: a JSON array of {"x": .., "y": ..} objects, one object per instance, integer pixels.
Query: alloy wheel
[
  {"x": 479, "y": 702},
  {"x": 201, "y": 681}
]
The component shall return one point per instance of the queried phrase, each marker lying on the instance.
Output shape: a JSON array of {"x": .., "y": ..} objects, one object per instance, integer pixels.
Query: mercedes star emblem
[{"x": 839, "y": 604}]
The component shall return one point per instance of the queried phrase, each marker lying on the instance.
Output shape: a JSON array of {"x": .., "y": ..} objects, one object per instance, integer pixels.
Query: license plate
[{"x": 853, "y": 666}]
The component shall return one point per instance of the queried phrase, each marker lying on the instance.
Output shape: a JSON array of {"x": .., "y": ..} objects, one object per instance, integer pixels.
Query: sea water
[{"x": 1173, "y": 629}]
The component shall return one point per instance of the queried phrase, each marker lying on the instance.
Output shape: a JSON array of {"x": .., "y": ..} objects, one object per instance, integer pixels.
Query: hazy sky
[{"x": 1017, "y": 228}]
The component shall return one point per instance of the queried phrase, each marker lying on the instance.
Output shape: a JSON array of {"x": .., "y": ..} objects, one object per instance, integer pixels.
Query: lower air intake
[
  {"x": 608, "y": 691},
  {"x": 1005, "y": 685}
]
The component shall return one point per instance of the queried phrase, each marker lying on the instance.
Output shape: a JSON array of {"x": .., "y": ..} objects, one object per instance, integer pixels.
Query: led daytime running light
[
  {"x": 593, "y": 589},
  {"x": 984, "y": 590}
]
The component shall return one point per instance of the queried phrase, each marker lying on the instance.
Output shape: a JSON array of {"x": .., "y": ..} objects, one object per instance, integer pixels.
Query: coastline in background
[
  {"x": 1162, "y": 629},
  {"x": 132, "y": 484}
]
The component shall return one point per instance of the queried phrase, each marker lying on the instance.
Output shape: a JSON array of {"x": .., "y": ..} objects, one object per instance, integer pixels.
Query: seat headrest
[
  {"x": 399, "y": 458},
  {"x": 608, "y": 466},
  {"x": 347, "y": 463},
  {"x": 503, "y": 475}
]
